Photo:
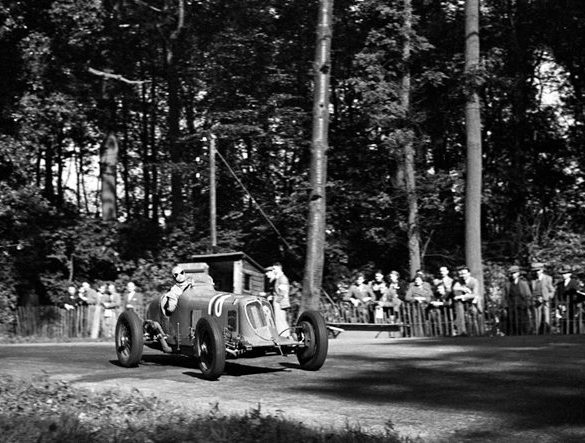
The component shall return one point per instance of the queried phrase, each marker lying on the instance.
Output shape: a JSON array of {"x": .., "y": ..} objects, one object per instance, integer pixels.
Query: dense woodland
[{"x": 159, "y": 78}]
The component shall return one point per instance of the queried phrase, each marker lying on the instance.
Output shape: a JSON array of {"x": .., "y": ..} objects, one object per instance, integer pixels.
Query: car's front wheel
[
  {"x": 312, "y": 331},
  {"x": 210, "y": 349},
  {"x": 129, "y": 339}
]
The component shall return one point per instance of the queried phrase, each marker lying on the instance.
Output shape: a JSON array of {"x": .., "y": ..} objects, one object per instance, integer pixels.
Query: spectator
[
  {"x": 89, "y": 296},
  {"x": 280, "y": 298},
  {"x": 444, "y": 286},
  {"x": 467, "y": 297},
  {"x": 440, "y": 315},
  {"x": 380, "y": 291},
  {"x": 92, "y": 299},
  {"x": 361, "y": 295},
  {"x": 70, "y": 301},
  {"x": 396, "y": 293},
  {"x": 342, "y": 291},
  {"x": 568, "y": 297},
  {"x": 543, "y": 291},
  {"x": 111, "y": 302},
  {"x": 419, "y": 290},
  {"x": 517, "y": 297},
  {"x": 379, "y": 286},
  {"x": 133, "y": 299},
  {"x": 419, "y": 293},
  {"x": 396, "y": 286}
]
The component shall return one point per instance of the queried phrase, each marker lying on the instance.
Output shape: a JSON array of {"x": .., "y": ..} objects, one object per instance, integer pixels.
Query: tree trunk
[
  {"x": 473, "y": 137},
  {"x": 126, "y": 160},
  {"x": 315, "y": 258},
  {"x": 409, "y": 163},
  {"x": 153, "y": 151},
  {"x": 59, "y": 158},
  {"x": 108, "y": 162},
  {"x": 144, "y": 137},
  {"x": 81, "y": 174},
  {"x": 174, "y": 147},
  {"x": 49, "y": 188},
  {"x": 174, "y": 115},
  {"x": 76, "y": 160}
]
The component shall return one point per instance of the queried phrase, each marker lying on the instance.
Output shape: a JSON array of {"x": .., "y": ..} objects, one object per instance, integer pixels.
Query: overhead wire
[{"x": 232, "y": 172}]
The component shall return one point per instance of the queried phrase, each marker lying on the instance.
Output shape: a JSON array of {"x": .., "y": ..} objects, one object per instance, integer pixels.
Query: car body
[{"x": 212, "y": 326}]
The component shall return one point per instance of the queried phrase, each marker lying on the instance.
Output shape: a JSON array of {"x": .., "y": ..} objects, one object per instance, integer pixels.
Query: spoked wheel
[
  {"x": 312, "y": 331},
  {"x": 210, "y": 345},
  {"x": 129, "y": 339}
]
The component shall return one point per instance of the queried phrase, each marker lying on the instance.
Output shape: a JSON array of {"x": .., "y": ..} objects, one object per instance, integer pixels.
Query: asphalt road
[{"x": 452, "y": 389}]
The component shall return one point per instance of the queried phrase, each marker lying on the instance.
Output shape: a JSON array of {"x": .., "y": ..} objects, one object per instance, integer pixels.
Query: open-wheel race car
[{"x": 212, "y": 326}]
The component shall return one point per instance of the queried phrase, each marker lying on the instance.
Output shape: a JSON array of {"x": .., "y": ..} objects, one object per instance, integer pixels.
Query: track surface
[{"x": 452, "y": 389}]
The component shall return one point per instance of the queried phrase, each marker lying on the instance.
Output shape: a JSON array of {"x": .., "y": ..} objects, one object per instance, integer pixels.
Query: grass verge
[{"x": 42, "y": 410}]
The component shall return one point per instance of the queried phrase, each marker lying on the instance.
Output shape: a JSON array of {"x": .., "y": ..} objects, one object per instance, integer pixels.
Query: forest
[{"x": 158, "y": 80}]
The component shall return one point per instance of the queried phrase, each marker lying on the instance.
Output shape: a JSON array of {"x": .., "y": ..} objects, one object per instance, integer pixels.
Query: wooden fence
[
  {"x": 412, "y": 320},
  {"x": 418, "y": 320},
  {"x": 55, "y": 322}
]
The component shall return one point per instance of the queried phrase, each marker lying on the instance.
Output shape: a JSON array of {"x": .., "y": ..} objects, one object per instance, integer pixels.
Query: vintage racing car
[{"x": 212, "y": 326}]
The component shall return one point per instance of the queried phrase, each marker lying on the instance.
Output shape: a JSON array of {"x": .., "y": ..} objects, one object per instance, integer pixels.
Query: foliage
[
  {"x": 245, "y": 74},
  {"x": 53, "y": 411},
  {"x": 562, "y": 248}
]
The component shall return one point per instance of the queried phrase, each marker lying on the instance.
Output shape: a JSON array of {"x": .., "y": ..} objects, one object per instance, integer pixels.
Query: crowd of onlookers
[
  {"x": 531, "y": 301},
  {"x": 104, "y": 304}
]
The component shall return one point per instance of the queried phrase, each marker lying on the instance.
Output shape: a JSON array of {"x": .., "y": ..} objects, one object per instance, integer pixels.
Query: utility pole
[{"x": 212, "y": 192}]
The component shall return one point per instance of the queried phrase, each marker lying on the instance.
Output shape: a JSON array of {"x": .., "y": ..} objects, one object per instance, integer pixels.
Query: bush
[{"x": 50, "y": 411}]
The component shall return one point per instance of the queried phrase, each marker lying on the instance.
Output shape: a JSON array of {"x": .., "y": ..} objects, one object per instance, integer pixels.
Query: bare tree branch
[
  {"x": 180, "y": 20},
  {"x": 140, "y": 2},
  {"x": 116, "y": 77}
]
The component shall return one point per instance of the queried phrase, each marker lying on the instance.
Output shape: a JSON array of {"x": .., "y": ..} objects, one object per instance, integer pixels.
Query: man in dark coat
[
  {"x": 569, "y": 296},
  {"x": 517, "y": 297}
]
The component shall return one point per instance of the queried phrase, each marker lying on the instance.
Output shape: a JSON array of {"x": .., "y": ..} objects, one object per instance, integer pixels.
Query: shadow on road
[
  {"x": 177, "y": 360},
  {"x": 239, "y": 370},
  {"x": 535, "y": 382}
]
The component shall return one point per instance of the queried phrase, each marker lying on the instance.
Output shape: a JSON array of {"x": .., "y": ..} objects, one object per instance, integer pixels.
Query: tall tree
[
  {"x": 315, "y": 257},
  {"x": 108, "y": 163},
  {"x": 174, "y": 86},
  {"x": 473, "y": 138},
  {"x": 409, "y": 165}
]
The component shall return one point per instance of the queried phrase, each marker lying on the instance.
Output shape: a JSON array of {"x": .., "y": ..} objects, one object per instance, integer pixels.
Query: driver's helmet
[{"x": 179, "y": 274}]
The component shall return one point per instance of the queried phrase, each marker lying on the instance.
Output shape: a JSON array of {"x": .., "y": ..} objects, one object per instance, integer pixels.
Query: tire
[
  {"x": 312, "y": 330},
  {"x": 129, "y": 339},
  {"x": 210, "y": 349}
]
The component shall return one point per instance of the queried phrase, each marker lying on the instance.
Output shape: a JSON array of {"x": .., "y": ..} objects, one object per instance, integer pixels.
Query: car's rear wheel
[
  {"x": 210, "y": 345},
  {"x": 312, "y": 330},
  {"x": 129, "y": 339}
]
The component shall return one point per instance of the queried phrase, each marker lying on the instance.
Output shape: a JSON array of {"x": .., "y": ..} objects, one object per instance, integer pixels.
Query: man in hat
[
  {"x": 568, "y": 297},
  {"x": 280, "y": 297},
  {"x": 543, "y": 291},
  {"x": 517, "y": 297}
]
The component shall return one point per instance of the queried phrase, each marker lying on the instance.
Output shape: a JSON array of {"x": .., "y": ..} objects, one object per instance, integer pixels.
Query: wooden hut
[{"x": 231, "y": 272}]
